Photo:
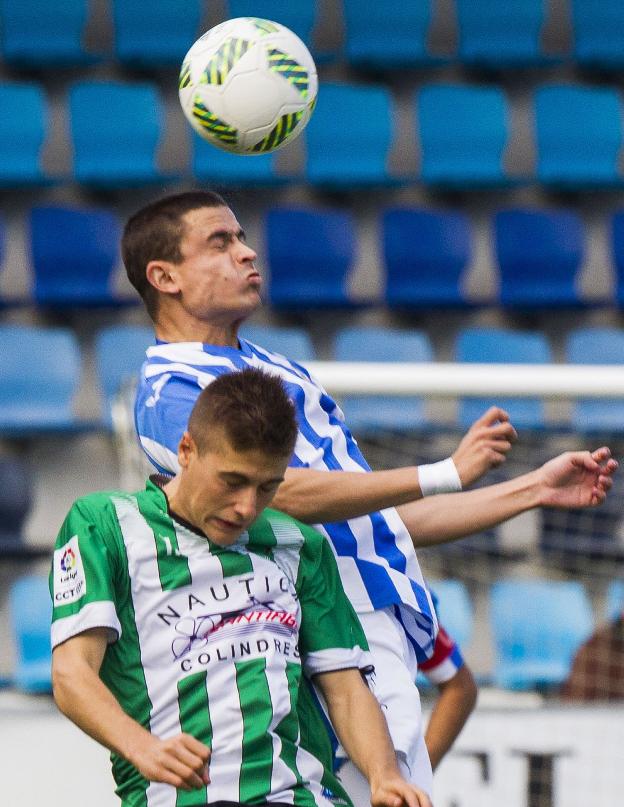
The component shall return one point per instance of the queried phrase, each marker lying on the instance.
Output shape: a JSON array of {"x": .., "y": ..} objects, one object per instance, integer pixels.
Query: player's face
[
  {"x": 223, "y": 490},
  {"x": 217, "y": 278}
]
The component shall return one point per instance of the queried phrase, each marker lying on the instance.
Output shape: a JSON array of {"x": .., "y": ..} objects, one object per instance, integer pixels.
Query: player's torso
[{"x": 215, "y": 636}]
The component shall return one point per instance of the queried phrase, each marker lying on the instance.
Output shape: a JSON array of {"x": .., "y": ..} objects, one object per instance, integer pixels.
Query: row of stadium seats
[
  {"x": 116, "y": 129},
  {"x": 426, "y": 254},
  {"x": 537, "y": 626},
  {"x": 41, "y": 400},
  {"x": 391, "y": 36}
]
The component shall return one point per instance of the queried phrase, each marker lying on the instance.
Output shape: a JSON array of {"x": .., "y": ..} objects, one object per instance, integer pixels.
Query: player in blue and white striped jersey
[{"x": 187, "y": 257}]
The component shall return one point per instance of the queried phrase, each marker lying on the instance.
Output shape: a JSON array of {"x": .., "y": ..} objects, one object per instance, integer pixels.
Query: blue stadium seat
[
  {"x": 15, "y": 503},
  {"x": 454, "y": 609},
  {"x": 294, "y": 343},
  {"x": 24, "y": 125},
  {"x": 500, "y": 346},
  {"x": 578, "y": 133},
  {"x": 537, "y": 626},
  {"x": 40, "y": 371},
  {"x": 39, "y": 34},
  {"x": 470, "y": 153},
  {"x": 388, "y": 35},
  {"x": 426, "y": 255},
  {"x": 501, "y": 35},
  {"x": 349, "y": 137},
  {"x": 310, "y": 254},
  {"x": 159, "y": 38},
  {"x": 211, "y": 164},
  {"x": 615, "y": 599},
  {"x": 597, "y": 346},
  {"x": 30, "y": 614},
  {"x": 368, "y": 413},
  {"x": 598, "y": 33},
  {"x": 74, "y": 255},
  {"x": 115, "y": 131},
  {"x": 298, "y": 15},
  {"x": 119, "y": 354},
  {"x": 539, "y": 254},
  {"x": 617, "y": 251}
]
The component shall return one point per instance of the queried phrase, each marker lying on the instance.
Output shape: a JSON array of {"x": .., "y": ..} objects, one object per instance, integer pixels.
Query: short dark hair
[
  {"x": 155, "y": 232},
  {"x": 252, "y": 408}
]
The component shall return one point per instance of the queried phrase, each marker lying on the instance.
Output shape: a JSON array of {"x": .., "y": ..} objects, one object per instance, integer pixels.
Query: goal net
[{"x": 522, "y": 598}]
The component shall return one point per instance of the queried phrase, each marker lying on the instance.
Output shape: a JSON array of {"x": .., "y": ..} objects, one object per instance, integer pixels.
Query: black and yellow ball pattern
[
  {"x": 290, "y": 69},
  {"x": 279, "y": 132},
  {"x": 220, "y": 65},
  {"x": 211, "y": 123}
]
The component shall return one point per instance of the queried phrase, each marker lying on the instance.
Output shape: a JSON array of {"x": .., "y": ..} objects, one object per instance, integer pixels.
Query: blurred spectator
[{"x": 598, "y": 668}]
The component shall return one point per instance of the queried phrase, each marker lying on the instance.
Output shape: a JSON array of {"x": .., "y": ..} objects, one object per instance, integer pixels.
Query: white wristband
[{"x": 439, "y": 477}]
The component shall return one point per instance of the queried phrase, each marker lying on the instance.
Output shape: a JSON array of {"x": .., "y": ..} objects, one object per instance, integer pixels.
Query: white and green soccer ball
[{"x": 248, "y": 85}]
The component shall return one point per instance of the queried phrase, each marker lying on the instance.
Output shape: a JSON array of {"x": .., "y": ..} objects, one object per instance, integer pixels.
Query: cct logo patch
[{"x": 70, "y": 583}]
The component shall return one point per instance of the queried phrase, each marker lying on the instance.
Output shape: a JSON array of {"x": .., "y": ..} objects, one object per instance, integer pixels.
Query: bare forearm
[
  {"x": 362, "y": 729},
  {"x": 317, "y": 497},
  {"x": 447, "y": 517},
  {"x": 449, "y": 715},
  {"x": 86, "y": 701}
]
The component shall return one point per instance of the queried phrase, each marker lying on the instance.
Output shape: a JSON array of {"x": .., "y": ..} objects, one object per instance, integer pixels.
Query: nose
[
  {"x": 245, "y": 253},
  {"x": 246, "y": 504}
]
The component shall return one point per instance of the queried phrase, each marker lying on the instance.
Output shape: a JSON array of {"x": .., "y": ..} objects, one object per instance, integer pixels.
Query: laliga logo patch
[
  {"x": 70, "y": 583},
  {"x": 68, "y": 561}
]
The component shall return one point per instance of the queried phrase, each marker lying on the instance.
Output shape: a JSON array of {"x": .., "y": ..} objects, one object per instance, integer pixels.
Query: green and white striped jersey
[{"x": 210, "y": 641}]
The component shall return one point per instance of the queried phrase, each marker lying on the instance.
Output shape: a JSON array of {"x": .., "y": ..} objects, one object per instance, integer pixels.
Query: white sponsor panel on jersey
[{"x": 70, "y": 583}]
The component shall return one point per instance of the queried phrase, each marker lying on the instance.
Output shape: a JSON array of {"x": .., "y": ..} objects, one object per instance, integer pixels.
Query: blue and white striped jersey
[{"x": 375, "y": 554}]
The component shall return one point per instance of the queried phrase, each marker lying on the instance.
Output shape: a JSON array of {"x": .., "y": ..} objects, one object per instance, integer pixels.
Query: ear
[
  {"x": 163, "y": 276},
  {"x": 186, "y": 449}
]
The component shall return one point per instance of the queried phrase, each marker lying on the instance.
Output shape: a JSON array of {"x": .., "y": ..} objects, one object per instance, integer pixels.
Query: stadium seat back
[
  {"x": 367, "y": 413},
  {"x": 294, "y": 343},
  {"x": 470, "y": 153},
  {"x": 40, "y": 33},
  {"x": 578, "y": 132},
  {"x": 30, "y": 608},
  {"x": 119, "y": 354},
  {"x": 40, "y": 369},
  {"x": 158, "y": 39},
  {"x": 389, "y": 35},
  {"x": 454, "y": 609},
  {"x": 540, "y": 254},
  {"x": 311, "y": 253},
  {"x": 615, "y": 599},
  {"x": 597, "y": 346},
  {"x": 537, "y": 626},
  {"x": 617, "y": 251},
  {"x": 501, "y": 346},
  {"x": 598, "y": 33},
  {"x": 356, "y": 154},
  {"x": 115, "y": 130},
  {"x": 210, "y": 164},
  {"x": 74, "y": 253},
  {"x": 23, "y": 120},
  {"x": 15, "y": 501},
  {"x": 500, "y": 34},
  {"x": 298, "y": 15},
  {"x": 426, "y": 254}
]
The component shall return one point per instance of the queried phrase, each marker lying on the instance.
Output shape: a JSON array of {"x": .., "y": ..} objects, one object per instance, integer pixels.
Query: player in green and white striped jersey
[{"x": 185, "y": 615}]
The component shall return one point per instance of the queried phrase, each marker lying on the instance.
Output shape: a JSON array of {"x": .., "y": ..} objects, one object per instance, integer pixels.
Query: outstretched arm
[
  {"x": 351, "y": 707},
  {"x": 574, "y": 479},
  {"x": 81, "y": 695},
  {"x": 320, "y": 496}
]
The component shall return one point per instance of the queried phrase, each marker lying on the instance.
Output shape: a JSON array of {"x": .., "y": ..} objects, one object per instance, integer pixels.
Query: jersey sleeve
[
  {"x": 445, "y": 661},
  {"x": 162, "y": 411},
  {"x": 82, "y": 578},
  {"x": 330, "y": 637}
]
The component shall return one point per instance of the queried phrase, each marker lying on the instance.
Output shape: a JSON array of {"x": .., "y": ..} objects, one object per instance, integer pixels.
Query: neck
[
  {"x": 186, "y": 328},
  {"x": 175, "y": 502}
]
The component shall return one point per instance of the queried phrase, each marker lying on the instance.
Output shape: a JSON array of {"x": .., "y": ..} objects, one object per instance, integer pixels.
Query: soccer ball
[{"x": 248, "y": 85}]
